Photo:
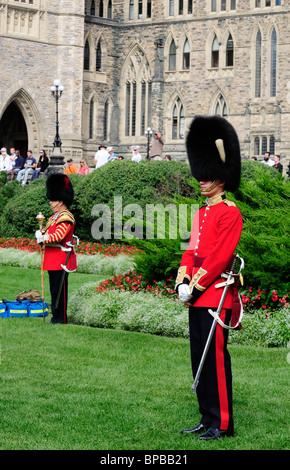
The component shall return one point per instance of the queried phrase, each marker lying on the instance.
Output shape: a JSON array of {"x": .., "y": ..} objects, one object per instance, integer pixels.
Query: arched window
[
  {"x": 273, "y": 68},
  {"x": 186, "y": 55},
  {"x": 138, "y": 94},
  {"x": 101, "y": 9},
  {"x": 180, "y": 7},
  {"x": 172, "y": 56},
  {"x": 221, "y": 107},
  {"x": 264, "y": 145},
  {"x": 257, "y": 146},
  {"x": 140, "y": 8},
  {"x": 230, "y": 52},
  {"x": 110, "y": 9},
  {"x": 171, "y": 7},
  {"x": 149, "y": 8},
  {"x": 106, "y": 120},
  {"x": 223, "y": 5},
  {"x": 178, "y": 120},
  {"x": 87, "y": 56},
  {"x": 91, "y": 119},
  {"x": 272, "y": 145},
  {"x": 99, "y": 57},
  {"x": 93, "y": 8},
  {"x": 189, "y": 6},
  {"x": 215, "y": 53},
  {"x": 258, "y": 63},
  {"x": 131, "y": 10}
]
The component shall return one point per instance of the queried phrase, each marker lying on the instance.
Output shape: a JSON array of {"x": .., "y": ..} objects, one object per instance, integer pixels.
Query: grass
[
  {"x": 14, "y": 280},
  {"x": 72, "y": 387},
  {"x": 68, "y": 387}
]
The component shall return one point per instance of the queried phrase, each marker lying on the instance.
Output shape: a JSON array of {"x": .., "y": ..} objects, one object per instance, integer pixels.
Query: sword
[
  {"x": 215, "y": 321},
  {"x": 70, "y": 245}
]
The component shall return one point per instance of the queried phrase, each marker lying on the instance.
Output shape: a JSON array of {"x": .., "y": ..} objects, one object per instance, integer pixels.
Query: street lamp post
[
  {"x": 56, "y": 159},
  {"x": 148, "y": 133},
  {"x": 56, "y": 91}
]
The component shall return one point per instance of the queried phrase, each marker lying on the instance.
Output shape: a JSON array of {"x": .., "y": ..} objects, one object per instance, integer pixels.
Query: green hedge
[{"x": 263, "y": 198}]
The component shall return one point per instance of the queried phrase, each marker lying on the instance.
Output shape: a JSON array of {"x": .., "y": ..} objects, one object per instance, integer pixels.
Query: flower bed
[
  {"x": 255, "y": 299},
  {"x": 83, "y": 248},
  {"x": 132, "y": 282},
  {"x": 124, "y": 303}
]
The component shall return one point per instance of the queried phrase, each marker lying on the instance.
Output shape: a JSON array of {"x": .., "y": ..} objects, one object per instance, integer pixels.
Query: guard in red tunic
[
  {"x": 214, "y": 157},
  {"x": 57, "y": 238}
]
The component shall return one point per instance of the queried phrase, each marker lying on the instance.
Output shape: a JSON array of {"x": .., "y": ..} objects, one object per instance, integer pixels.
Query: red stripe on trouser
[{"x": 221, "y": 375}]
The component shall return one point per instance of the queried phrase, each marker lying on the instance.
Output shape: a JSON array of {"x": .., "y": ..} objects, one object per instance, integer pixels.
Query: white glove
[
  {"x": 40, "y": 238},
  {"x": 184, "y": 292}
]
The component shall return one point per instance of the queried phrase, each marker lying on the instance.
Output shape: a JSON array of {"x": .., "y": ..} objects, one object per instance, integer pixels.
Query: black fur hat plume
[
  {"x": 213, "y": 151},
  {"x": 59, "y": 188}
]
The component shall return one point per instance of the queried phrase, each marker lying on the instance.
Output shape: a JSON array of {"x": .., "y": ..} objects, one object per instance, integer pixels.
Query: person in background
[
  {"x": 278, "y": 165},
  {"x": 101, "y": 156},
  {"x": 136, "y": 155},
  {"x": 71, "y": 168},
  {"x": 29, "y": 166},
  {"x": 156, "y": 148},
  {"x": 267, "y": 160},
  {"x": 19, "y": 164},
  {"x": 83, "y": 169},
  {"x": 42, "y": 164},
  {"x": 112, "y": 154},
  {"x": 5, "y": 162}
]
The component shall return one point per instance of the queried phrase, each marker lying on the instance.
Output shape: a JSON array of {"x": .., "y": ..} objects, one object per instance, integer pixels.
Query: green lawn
[
  {"x": 75, "y": 387},
  {"x": 14, "y": 280}
]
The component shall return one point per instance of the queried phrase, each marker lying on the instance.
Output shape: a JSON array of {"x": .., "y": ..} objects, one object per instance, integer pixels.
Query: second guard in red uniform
[
  {"x": 57, "y": 237},
  {"x": 214, "y": 156}
]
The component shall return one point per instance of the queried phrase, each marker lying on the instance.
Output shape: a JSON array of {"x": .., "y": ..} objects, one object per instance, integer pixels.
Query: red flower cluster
[
  {"x": 133, "y": 283},
  {"x": 83, "y": 248},
  {"x": 20, "y": 244},
  {"x": 267, "y": 300}
]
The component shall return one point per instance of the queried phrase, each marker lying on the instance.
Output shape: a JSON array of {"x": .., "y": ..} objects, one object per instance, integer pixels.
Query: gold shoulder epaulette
[
  {"x": 65, "y": 216},
  {"x": 229, "y": 203}
]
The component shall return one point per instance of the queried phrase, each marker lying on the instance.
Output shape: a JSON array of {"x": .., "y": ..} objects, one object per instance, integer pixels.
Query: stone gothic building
[{"x": 127, "y": 65}]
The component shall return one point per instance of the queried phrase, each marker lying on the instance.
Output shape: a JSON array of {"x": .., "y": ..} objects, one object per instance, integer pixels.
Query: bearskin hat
[
  {"x": 59, "y": 188},
  {"x": 213, "y": 151}
]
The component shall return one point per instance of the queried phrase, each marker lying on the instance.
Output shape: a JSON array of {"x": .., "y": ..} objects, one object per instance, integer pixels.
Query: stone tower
[{"x": 40, "y": 41}]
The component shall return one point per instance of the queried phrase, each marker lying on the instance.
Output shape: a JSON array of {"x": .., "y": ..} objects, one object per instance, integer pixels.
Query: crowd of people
[
  {"x": 275, "y": 163},
  {"x": 28, "y": 169},
  {"x": 22, "y": 168}
]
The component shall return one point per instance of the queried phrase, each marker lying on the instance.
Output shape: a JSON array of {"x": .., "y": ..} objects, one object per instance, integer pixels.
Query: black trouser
[
  {"x": 214, "y": 390},
  {"x": 59, "y": 312}
]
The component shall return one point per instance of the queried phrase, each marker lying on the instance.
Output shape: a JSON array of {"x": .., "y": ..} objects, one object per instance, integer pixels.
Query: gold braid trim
[
  {"x": 181, "y": 274},
  {"x": 65, "y": 216},
  {"x": 194, "y": 282}
]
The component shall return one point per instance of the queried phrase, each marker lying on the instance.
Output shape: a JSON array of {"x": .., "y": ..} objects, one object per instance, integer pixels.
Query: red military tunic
[
  {"x": 59, "y": 229},
  {"x": 215, "y": 234}
]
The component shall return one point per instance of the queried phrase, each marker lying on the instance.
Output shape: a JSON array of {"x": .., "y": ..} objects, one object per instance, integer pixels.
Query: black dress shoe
[
  {"x": 199, "y": 428},
  {"x": 214, "y": 433}
]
